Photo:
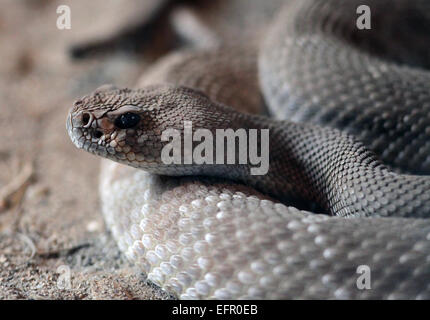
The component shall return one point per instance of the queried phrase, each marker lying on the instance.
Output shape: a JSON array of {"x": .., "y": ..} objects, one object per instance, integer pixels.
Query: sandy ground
[{"x": 50, "y": 221}]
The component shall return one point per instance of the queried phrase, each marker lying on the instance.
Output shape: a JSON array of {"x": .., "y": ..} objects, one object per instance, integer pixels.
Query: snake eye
[{"x": 127, "y": 120}]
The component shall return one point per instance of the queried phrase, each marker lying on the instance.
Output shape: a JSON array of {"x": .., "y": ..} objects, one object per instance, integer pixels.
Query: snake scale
[{"x": 349, "y": 139}]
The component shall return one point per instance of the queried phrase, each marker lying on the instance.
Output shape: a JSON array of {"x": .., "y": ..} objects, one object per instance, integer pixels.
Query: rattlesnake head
[{"x": 126, "y": 125}]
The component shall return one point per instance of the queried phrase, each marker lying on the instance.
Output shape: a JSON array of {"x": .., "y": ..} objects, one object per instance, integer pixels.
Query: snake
[{"x": 343, "y": 209}]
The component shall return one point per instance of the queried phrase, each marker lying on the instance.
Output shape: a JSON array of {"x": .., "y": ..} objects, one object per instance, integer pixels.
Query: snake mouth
[
  {"x": 69, "y": 122},
  {"x": 77, "y": 134},
  {"x": 70, "y": 129},
  {"x": 89, "y": 139}
]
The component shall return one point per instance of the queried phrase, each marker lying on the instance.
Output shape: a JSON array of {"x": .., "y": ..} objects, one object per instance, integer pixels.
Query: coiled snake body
[{"x": 206, "y": 231}]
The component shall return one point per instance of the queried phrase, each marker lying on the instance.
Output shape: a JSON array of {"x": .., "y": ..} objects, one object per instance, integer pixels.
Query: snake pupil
[{"x": 127, "y": 120}]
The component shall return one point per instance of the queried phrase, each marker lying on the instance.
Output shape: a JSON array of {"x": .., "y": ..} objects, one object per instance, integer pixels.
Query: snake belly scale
[{"x": 350, "y": 135}]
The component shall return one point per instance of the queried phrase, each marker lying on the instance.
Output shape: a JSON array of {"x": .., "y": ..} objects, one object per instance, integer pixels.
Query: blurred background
[{"x": 50, "y": 222}]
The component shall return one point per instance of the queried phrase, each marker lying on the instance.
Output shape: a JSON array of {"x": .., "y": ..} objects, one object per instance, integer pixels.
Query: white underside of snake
[{"x": 199, "y": 236}]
